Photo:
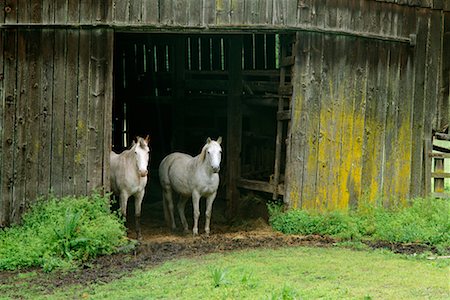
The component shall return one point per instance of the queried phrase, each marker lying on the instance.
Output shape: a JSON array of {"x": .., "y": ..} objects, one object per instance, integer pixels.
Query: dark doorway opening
[{"x": 176, "y": 87}]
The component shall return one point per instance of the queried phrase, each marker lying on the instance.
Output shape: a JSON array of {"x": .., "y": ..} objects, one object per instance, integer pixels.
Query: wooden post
[
  {"x": 178, "y": 141},
  {"x": 438, "y": 181},
  {"x": 427, "y": 146},
  {"x": 279, "y": 138},
  {"x": 234, "y": 122}
]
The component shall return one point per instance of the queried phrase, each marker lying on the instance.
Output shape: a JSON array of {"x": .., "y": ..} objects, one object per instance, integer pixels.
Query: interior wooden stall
[{"x": 178, "y": 88}]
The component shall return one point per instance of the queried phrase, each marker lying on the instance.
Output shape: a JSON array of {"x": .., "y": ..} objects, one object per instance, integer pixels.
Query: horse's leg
[
  {"x": 196, "y": 206},
  {"x": 123, "y": 203},
  {"x": 168, "y": 199},
  {"x": 181, "y": 205},
  {"x": 137, "y": 212},
  {"x": 209, "y": 203}
]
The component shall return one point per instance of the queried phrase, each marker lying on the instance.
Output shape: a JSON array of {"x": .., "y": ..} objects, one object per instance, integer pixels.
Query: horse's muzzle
[
  {"x": 216, "y": 169},
  {"x": 143, "y": 173}
]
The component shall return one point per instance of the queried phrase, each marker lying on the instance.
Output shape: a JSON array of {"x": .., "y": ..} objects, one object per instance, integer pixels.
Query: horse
[
  {"x": 129, "y": 176},
  {"x": 194, "y": 177}
]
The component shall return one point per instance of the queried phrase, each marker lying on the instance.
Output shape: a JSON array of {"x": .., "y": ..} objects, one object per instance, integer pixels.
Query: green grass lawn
[{"x": 287, "y": 273}]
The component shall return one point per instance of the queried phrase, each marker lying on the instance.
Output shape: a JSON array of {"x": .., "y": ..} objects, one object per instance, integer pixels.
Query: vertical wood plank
[
  {"x": 209, "y": 13},
  {"x": 73, "y": 11},
  {"x": 70, "y": 109},
  {"x": 46, "y": 110},
  {"x": 265, "y": 11},
  {"x": 121, "y": 11},
  {"x": 23, "y": 11},
  {"x": 338, "y": 94},
  {"x": 417, "y": 175},
  {"x": 33, "y": 120},
  {"x": 108, "y": 102},
  {"x": 237, "y": 11},
  {"x": 405, "y": 135},
  {"x": 166, "y": 12},
  {"x": 223, "y": 15},
  {"x": 96, "y": 113},
  {"x": 312, "y": 56},
  {"x": 433, "y": 71},
  {"x": 85, "y": 8},
  {"x": 81, "y": 150},
  {"x": 181, "y": 12},
  {"x": 36, "y": 11},
  {"x": 48, "y": 11},
  {"x": 327, "y": 123},
  {"x": 296, "y": 145},
  {"x": 11, "y": 7},
  {"x": 375, "y": 122},
  {"x": 345, "y": 90},
  {"x": 150, "y": 11},
  {"x": 2, "y": 11},
  {"x": 61, "y": 12},
  {"x": 10, "y": 99},
  {"x": 359, "y": 105},
  {"x": 2, "y": 100},
  {"x": 391, "y": 128},
  {"x": 251, "y": 11},
  {"x": 18, "y": 203},
  {"x": 135, "y": 12},
  {"x": 59, "y": 75},
  {"x": 195, "y": 9}
]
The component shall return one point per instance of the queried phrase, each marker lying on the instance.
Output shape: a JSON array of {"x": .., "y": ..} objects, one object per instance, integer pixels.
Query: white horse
[
  {"x": 129, "y": 176},
  {"x": 194, "y": 177}
]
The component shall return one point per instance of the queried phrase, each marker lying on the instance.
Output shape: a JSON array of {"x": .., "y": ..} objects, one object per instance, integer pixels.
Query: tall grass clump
[
  {"x": 423, "y": 221},
  {"x": 60, "y": 233}
]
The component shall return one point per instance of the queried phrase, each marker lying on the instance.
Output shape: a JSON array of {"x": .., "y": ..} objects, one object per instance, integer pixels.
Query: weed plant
[
  {"x": 59, "y": 233},
  {"x": 424, "y": 221}
]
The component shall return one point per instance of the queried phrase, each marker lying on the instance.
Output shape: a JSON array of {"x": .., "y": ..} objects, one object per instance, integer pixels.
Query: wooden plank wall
[
  {"x": 192, "y": 13},
  {"x": 360, "y": 115},
  {"x": 56, "y": 86}
]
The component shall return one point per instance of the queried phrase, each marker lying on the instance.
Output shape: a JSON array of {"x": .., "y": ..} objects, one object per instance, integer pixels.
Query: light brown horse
[
  {"x": 194, "y": 177},
  {"x": 129, "y": 176}
]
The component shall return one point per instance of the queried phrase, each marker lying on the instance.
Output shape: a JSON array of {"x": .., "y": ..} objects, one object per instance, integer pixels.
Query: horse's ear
[
  {"x": 219, "y": 140},
  {"x": 208, "y": 140},
  {"x": 147, "y": 139}
]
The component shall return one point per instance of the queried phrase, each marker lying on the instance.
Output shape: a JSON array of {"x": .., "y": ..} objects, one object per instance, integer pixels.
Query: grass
[{"x": 286, "y": 273}]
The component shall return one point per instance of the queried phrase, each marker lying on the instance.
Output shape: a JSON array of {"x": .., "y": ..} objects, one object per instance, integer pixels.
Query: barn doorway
[{"x": 183, "y": 88}]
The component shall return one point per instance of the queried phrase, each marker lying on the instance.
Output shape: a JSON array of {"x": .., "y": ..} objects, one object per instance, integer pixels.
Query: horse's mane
[
  {"x": 134, "y": 144},
  {"x": 202, "y": 154}
]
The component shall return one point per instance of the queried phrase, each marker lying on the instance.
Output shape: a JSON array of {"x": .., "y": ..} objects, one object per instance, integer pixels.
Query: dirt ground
[{"x": 159, "y": 244}]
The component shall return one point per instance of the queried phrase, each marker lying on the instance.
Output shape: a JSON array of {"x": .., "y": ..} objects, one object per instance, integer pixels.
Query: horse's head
[
  {"x": 213, "y": 153},
  {"x": 141, "y": 152}
]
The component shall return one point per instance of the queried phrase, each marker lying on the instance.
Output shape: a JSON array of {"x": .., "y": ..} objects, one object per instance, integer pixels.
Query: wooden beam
[
  {"x": 234, "y": 122},
  {"x": 438, "y": 175},
  {"x": 261, "y": 186}
]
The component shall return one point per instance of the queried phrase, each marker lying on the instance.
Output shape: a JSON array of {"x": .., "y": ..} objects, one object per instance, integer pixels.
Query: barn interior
[{"x": 179, "y": 88}]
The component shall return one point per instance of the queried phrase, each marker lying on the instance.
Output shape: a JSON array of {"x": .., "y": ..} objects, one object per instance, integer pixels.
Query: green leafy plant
[
  {"x": 219, "y": 277},
  {"x": 424, "y": 221},
  {"x": 62, "y": 232}
]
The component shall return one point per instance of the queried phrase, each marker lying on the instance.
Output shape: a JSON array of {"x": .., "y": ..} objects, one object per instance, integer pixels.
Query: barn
[{"x": 321, "y": 103}]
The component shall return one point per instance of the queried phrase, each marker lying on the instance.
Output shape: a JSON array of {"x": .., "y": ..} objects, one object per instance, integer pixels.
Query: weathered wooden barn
[{"x": 320, "y": 102}]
